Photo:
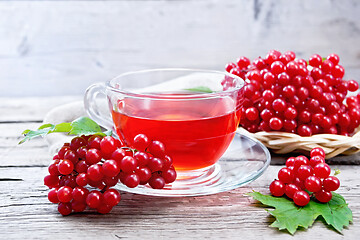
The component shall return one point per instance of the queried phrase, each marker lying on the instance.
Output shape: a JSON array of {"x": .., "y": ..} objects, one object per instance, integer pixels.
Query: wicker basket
[{"x": 282, "y": 142}]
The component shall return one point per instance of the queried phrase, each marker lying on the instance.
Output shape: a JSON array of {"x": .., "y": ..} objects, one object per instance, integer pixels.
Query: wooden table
[{"x": 25, "y": 211}]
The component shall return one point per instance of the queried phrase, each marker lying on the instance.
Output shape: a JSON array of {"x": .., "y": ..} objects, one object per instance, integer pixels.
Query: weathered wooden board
[
  {"x": 25, "y": 212},
  {"x": 50, "y": 48},
  {"x": 30, "y": 109}
]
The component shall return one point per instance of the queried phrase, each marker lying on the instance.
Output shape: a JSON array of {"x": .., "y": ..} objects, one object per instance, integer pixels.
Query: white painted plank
[
  {"x": 31, "y": 109},
  {"x": 61, "y": 47}
]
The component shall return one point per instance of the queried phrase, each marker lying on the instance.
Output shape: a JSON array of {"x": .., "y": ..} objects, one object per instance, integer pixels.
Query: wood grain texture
[
  {"x": 52, "y": 48},
  {"x": 15, "y": 110},
  {"x": 25, "y": 211}
]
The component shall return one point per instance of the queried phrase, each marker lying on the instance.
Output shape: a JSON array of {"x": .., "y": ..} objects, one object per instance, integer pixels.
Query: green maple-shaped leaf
[
  {"x": 335, "y": 213},
  {"x": 289, "y": 216}
]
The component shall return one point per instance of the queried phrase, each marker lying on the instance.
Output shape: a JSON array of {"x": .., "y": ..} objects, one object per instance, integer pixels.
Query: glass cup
[{"x": 195, "y": 113}]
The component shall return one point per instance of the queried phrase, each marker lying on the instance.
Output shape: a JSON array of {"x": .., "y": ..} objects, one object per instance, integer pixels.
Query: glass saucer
[{"x": 243, "y": 162}]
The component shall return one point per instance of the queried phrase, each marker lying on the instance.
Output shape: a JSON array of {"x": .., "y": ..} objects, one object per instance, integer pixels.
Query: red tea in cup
[
  {"x": 195, "y": 132},
  {"x": 190, "y": 111}
]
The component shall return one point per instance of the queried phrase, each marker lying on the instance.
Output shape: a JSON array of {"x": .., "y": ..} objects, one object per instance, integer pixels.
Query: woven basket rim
[{"x": 283, "y": 142}]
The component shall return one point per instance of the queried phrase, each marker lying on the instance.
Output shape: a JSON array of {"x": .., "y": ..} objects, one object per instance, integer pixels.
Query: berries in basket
[{"x": 289, "y": 99}]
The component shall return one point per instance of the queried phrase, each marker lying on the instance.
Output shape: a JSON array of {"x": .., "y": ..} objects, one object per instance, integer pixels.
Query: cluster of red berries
[
  {"x": 289, "y": 94},
  {"x": 84, "y": 170},
  {"x": 302, "y": 174}
]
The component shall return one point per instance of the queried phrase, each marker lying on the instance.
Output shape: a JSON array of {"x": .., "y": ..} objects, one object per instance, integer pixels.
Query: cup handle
[{"x": 92, "y": 107}]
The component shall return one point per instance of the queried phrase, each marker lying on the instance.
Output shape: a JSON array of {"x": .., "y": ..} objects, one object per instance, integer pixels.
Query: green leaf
[
  {"x": 201, "y": 89},
  {"x": 30, "y": 134},
  {"x": 84, "y": 126},
  {"x": 26, "y": 131},
  {"x": 80, "y": 126},
  {"x": 290, "y": 217},
  {"x": 62, "y": 127},
  {"x": 47, "y": 125},
  {"x": 336, "y": 212}
]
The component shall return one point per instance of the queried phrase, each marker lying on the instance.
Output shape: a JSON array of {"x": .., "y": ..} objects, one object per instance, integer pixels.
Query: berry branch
[
  {"x": 303, "y": 191},
  {"x": 84, "y": 171}
]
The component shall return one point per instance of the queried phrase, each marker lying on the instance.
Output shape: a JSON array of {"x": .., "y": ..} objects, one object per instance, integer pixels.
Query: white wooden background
[{"x": 51, "y": 48}]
